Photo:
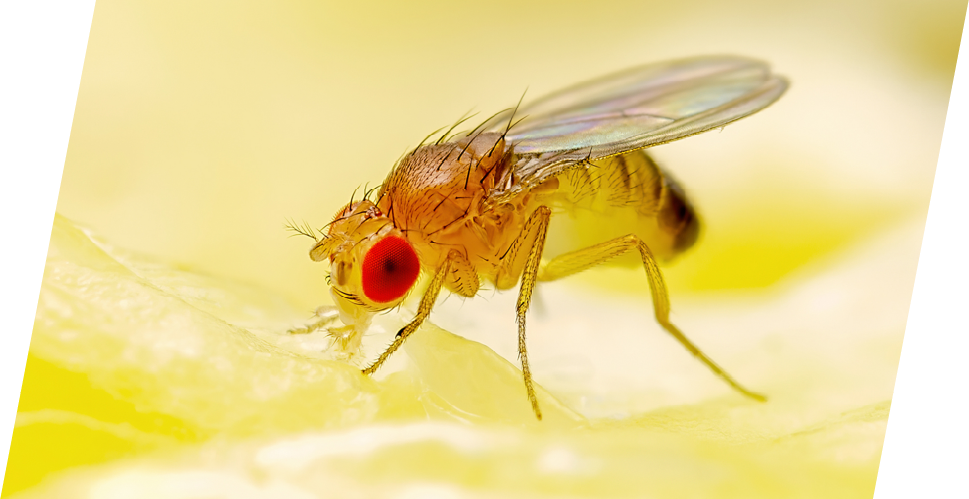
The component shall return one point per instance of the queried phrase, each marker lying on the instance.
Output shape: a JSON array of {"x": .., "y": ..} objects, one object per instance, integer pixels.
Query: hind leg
[{"x": 577, "y": 261}]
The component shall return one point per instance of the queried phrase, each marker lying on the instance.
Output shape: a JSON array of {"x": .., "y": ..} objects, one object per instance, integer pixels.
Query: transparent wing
[{"x": 640, "y": 107}]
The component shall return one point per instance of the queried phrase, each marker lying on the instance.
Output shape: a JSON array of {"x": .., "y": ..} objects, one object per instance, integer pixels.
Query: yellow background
[{"x": 202, "y": 126}]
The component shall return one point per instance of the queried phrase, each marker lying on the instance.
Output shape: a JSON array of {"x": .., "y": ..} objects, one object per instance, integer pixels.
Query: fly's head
[{"x": 372, "y": 265}]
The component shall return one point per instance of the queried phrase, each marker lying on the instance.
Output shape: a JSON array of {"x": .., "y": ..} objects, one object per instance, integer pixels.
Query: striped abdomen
[{"x": 619, "y": 195}]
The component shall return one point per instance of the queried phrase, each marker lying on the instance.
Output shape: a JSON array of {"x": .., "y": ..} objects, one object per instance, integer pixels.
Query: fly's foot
[
  {"x": 324, "y": 315},
  {"x": 309, "y": 328}
]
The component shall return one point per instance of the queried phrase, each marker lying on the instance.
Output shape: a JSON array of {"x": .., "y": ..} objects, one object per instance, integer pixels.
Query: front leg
[
  {"x": 423, "y": 311},
  {"x": 324, "y": 315},
  {"x": 345, "y": 340}
]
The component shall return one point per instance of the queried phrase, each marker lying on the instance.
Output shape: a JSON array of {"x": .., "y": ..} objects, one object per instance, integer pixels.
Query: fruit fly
[{"x": 473, "y": 208}]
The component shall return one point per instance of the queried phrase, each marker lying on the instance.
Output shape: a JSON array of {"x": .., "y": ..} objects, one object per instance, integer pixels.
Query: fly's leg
[
  {"x": 324, "y": 315},
  {"x": 423, "y": 310},
  {"x": 532, "y": 238},
  {"x": 577, "y": 261},
  {"x": 345, "y": 338}
]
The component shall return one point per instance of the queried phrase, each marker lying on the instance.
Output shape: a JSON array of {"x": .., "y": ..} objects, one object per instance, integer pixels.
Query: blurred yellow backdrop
[{"x": 202, "y": 126}]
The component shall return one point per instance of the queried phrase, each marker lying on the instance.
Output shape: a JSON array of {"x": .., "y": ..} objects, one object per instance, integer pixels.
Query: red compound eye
[{"x": 390, "y": 268}]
